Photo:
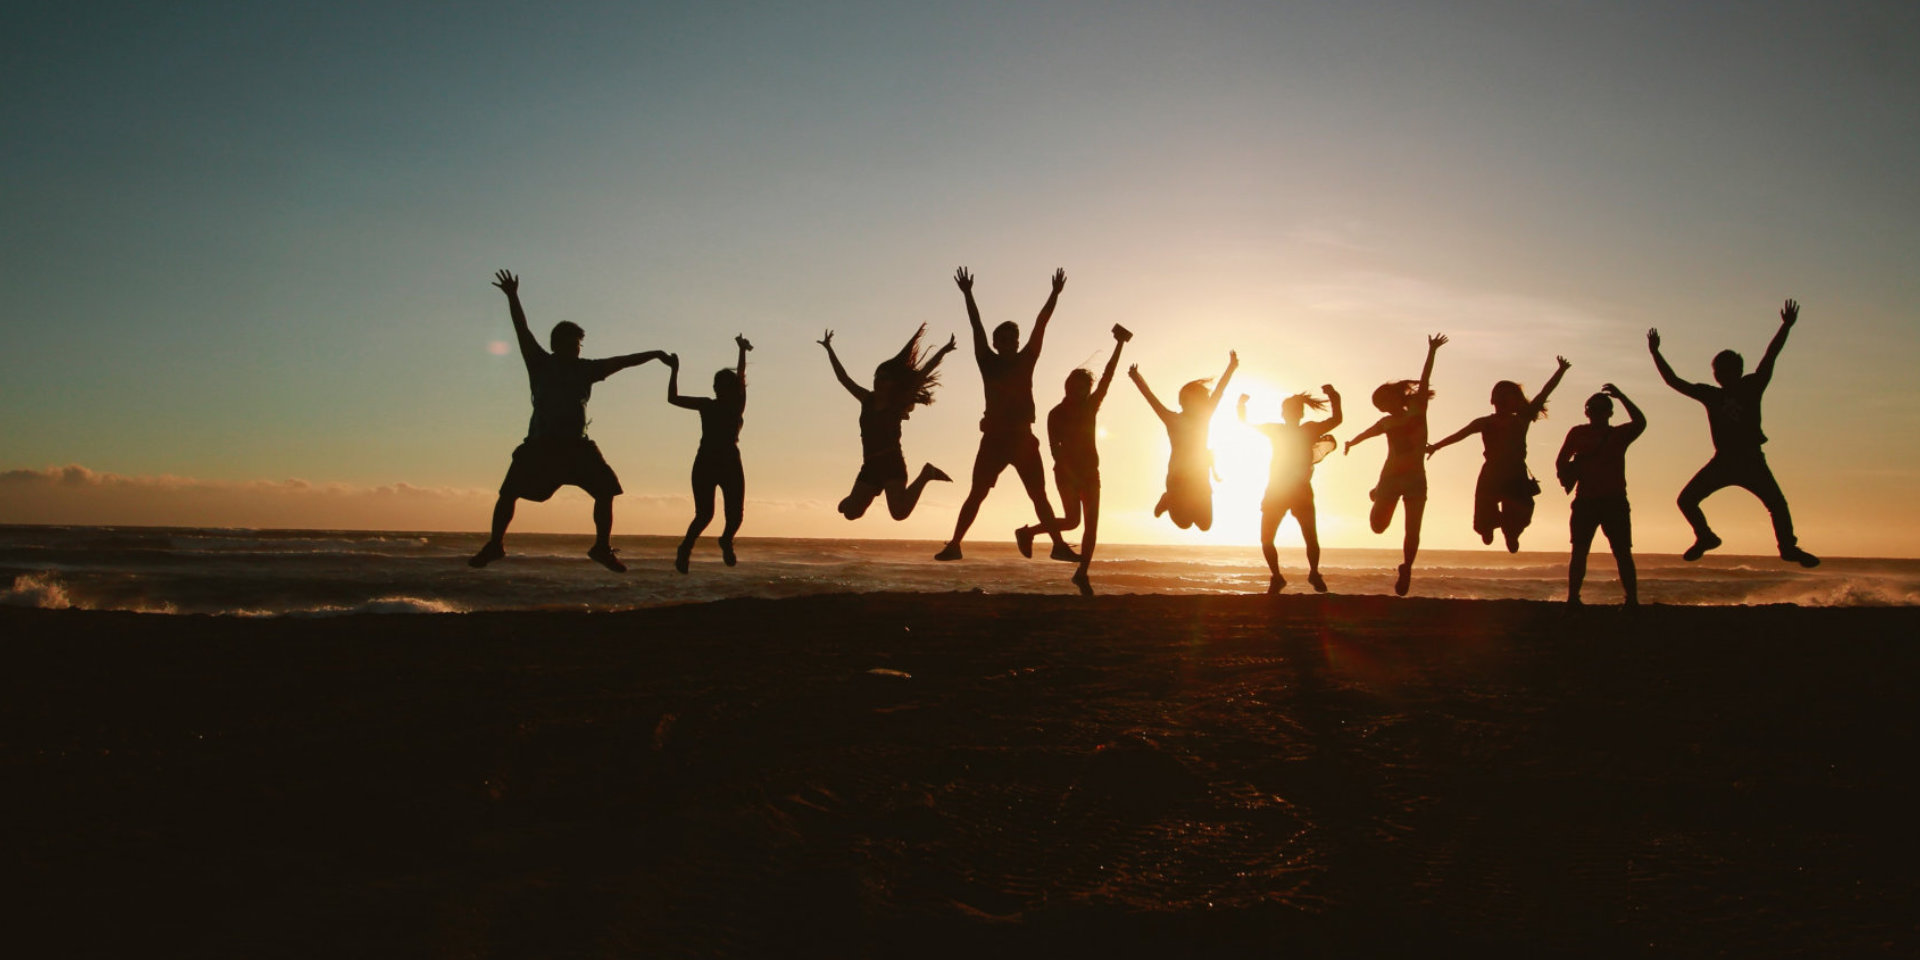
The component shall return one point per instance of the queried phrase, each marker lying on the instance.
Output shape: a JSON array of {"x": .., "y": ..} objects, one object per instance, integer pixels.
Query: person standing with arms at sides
[
  {"x": 717, "y": 464},
  {"x": 1594, "y": 459},
  {"x": 1076, "y": 459},
  {"x": 1296, "y": 448},
  {"x": 1733, "y": 416},
  {"x": 1189, "y": 496},
  {"x": 1404, "y": 475},
  {"x": 556, "y": 451},
  {"x": 900, "y": 383},
  {"x": 1006, "y": 431},
  {"x": 1503, "y": 496}
]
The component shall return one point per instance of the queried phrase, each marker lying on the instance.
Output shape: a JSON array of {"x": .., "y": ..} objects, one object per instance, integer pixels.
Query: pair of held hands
[
  {"x": 672, "y": 360},
  {"x": 1789, "y": 315}
]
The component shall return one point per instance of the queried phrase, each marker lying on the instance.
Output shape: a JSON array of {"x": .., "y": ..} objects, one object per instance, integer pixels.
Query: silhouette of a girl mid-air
[
  {"x": 900, "y": 383},
  {"x": 1189, "y": 497},
  {"x": 1076, "y": 459},
  {"x": 1404, "y": 475},
  {"x": 1296, "y": 448},
  {"x": 717, "y": 464},
  {"x": 1503, "y": 496}
]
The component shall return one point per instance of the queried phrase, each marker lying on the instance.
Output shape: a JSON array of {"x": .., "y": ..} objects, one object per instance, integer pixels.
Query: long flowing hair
[
  {"x": 908, "y": 377},
  {"x": 1394, "y": 395}
]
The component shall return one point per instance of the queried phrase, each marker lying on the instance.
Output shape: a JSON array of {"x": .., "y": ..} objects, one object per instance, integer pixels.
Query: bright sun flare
[{"x": 1241, "y": 454}]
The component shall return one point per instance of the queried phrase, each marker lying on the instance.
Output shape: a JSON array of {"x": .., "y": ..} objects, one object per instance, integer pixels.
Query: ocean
[{"x": 322, "y": 572}]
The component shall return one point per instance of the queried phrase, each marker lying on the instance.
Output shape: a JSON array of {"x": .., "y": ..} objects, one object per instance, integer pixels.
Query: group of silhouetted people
[{"x": 1591, "y": 463}]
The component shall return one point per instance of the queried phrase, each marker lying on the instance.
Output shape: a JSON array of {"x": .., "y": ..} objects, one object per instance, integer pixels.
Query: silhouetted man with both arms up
[{"x": 1733, "y": 416}]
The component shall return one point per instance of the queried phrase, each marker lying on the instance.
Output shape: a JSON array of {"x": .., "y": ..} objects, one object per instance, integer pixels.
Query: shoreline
[{"x": 945, "y": 774}]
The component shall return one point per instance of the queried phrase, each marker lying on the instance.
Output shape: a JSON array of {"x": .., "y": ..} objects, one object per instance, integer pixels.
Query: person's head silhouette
[
  {"x": 1195, "y": 394},
  {"x": 1295, "y": 407},
  {"x": 1728, "y": 365},
  {"x": 1080, "y": 384},
  {"x": 727, "y": 387},
  {"x": 565, "y": 339},
  {"x": 1006, "y": 339},
  {"x": 1508, "y": 397},
  {"x": 1599, "y": 409}
]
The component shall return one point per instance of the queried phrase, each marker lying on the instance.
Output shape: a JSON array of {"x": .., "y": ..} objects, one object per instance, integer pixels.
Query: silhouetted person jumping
[
  {"x": 1404, "y": 475},
  {"x": 1189, "y": 496},
  {"x": 556, "y": 451},
  {"x": 717, "y": 464},
  {"x": 1076, "y": 459},
  {"x": 1503, "y": 496},
  {"x": 1594, "y": 459},
  {"x": 1733, "y": 416},
  {"x": 1297, "y": 447},
  {"x": 1006, "y": 430},
  {"x": 900, "y": 383}
]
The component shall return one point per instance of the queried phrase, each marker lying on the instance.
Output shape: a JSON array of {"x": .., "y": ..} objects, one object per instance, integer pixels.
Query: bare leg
[
  {"x": 901, "y": 498},
  {"x": 703, "y": 488},
  {"x": 1629, "y": 577},
  {"x": 734, "y": 488},
  {"x": 1092, "y": 498},
  {"x": 493, "y": 549},
  {"x": 1577, "y": 563},
  {"x": 1034, "y": 478},
  {"x": 1310, "y": 531},
  {"x": 602, "y": 550},
  {"x": 1269, "y": 527},
  {"x": 1704, "y": 484}
]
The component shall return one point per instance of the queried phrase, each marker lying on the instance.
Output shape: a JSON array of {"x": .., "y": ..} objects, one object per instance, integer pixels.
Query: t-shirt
[
  {"x": 1407, "y": 441},
  {"x": 1599, "y": 456},
  {"x": 1070, "y": 432},
  {"x": 1733, "y": 414},
  {"x": 561, "y": 386},
  {"x": 1009, "y": 384},
  {"x": 720, "y": 425},
  {"x": 879, "y": 431},
  {"x": 1293, "y": 450}
]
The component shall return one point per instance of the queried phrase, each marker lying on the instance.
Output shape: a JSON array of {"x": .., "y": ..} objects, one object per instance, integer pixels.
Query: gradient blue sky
[{"x": 247, "y": 243}]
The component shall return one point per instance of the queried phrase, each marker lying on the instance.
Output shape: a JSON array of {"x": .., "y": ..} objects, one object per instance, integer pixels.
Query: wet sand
[{"x": 957, "y": 775}]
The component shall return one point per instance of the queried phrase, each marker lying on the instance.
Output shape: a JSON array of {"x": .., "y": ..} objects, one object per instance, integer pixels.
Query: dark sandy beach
[{"x": 913, "y": 775}]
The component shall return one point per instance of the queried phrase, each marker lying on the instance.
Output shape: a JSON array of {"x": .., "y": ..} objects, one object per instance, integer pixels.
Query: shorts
[
  {"x": 1409, "y": 485},
  {"x": 1608, "y": 514},
  {"x": 1076, "y": 484},
  {"x": 541, "y": 466},
  {"x": 1299, "y": 500},
  {"x": 1000, "y": 450},
  {"x": 1503, "y": 499},
  {"x": 878, "y": 472}
]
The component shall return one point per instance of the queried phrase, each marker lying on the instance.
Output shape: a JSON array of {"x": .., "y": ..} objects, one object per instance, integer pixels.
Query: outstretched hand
[
  {"x": 1233, "y": 357},
  {"x": 1653, "y": 339},
  {"x": 1436, "y": 341},
  {"x": 1790, "y": 311},
  {"x": 1243, "y": 400},
  {"x": 826, "y": 341},
  {"x": 963, "y": 279},
  {"x": 953, "y": 343},
  {"x": 1348, "y": 449},
  {"x": 1059, "y": 279},
  {"x": 1432, "y": 448},
  {"x": 1133, "y": 370},
  {"x": 1327, "y": 388},
  {"x": 1564, "y": 363},
  {"x": 740, "y": 340},
  {"x": 507, "y": 282},
  {"x": 1612, "y": 391}
]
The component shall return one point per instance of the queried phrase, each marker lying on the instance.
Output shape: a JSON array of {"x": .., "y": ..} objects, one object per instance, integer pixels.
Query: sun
[{"x": 1241, "y": 455}]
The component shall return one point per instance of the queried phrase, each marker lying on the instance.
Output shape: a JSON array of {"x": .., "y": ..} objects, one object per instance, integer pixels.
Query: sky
[{"x": 248, "y": 246}]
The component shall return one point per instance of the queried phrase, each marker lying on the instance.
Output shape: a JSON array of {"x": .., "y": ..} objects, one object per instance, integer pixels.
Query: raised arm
[
  {"x": 1636, "y": 421},
  {"x": 1434, "y": 343},
  {"x": 1120, "y": 338},
  {"x": 981, "y": 347},
  {"x": 1032, "y": 349},
  {"x": 1459, "y": 435},
  {"x": 1159, "y": 409},
  {"x": 859, "y": 392},
  {"x": 529, "y": 345},
  {"x": 1240, "y": 409},
  {"x": 673, "y": 387},
  {"x": 1789, "y": 315},
  {"x": 740, "y": 340},
  {"x": 1539, "y": 400},
  {"x": 1694, "y": 390},
  {"x": 1226, "y": 376},
  {"x": 1334, "y": 416}
]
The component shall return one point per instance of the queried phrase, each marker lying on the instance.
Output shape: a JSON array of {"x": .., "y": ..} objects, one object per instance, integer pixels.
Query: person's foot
[
  {"x": 951, "y": 552},
  {"x": 1160, "y": 506},
  {"x": 1701, "y": 545},
  {"x": 1023, "y": 538},
  {"x": 1080, "y": 580},
  {"x": 1513, "y": 543},
  {"x": 489, "y": 553},
  {"x": 604, "y": 556},
  {"x": 726, "y": 552},
  {"x": 1801, "y": 557},
  {"x": 1404, "y": 580},
  {"x": 1317, "y": 582},
  {"x": 683, "y": 556},
  {"x": 1573, "y": 600},
  {"x": 1276, "y": 584},
  {"x": 930, "y": 472},
  {"x": 1486, "y": 537},
  {"x": 1063, "y": 552}
]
